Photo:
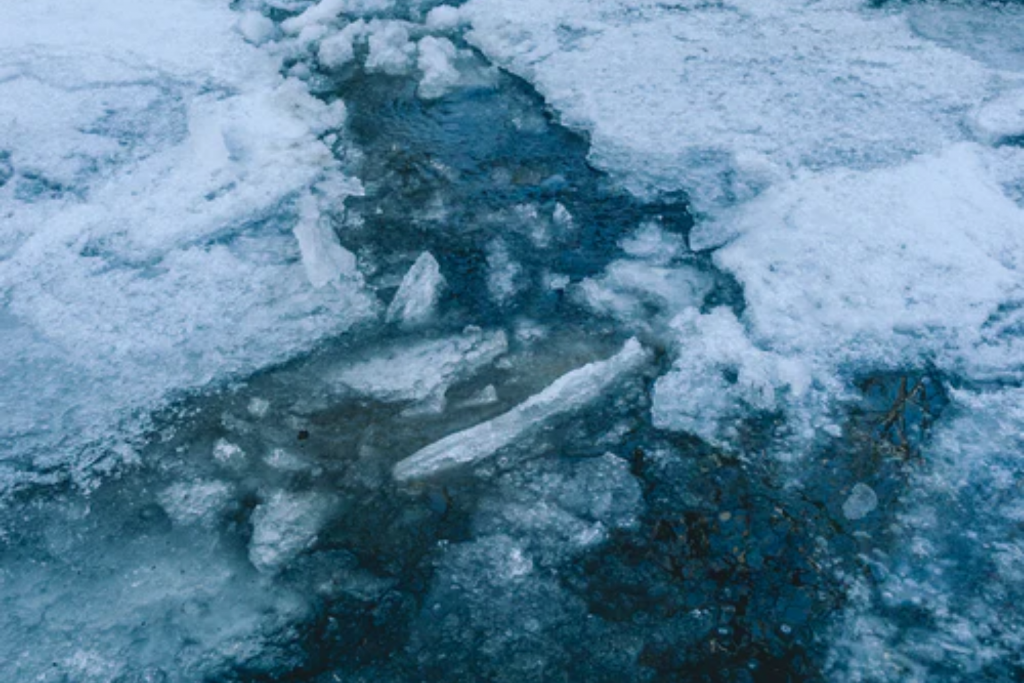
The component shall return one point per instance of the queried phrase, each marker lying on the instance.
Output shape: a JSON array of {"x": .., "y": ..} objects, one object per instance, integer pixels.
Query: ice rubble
[
  {"x": 159, "y": 164},
  {"x": 569, "y": 392}
]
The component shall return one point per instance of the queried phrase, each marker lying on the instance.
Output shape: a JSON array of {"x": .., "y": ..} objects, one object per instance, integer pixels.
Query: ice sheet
[{"x": 158, "y": 165}]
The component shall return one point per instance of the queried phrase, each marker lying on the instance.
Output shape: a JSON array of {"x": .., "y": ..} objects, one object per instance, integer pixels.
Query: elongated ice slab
[
  {"x": 417, "y": 297},
  {"x": 569, "y": 392}
]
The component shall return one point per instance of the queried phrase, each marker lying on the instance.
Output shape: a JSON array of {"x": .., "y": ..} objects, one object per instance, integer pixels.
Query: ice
[
  {"x": 861, "y": 502},
  {"x": 338, "y": 49},
  {"x": 415, "y": 303},
  {"x": 505, "y": 275},
  {"x": 326, "y": 261},
  {"x": 327, "y": 11},
  {"x": 158, "y": 166},
  {"x": 719, "y": 377},
  {"x": 417, "y": 371},
  {"x": 197, "y": 502},
  {"x": 570, "y": 392},
  {"x": 443, "y": 18},
  {"x": 284, "y": 526},
  {"x": 654, "y": 244},
  {"x": 391, "y": 51},
  {"x": 436, "y": 62},
  {"x": 950, "y": 598},
  {"x": 632, "y": 290},
  {"x": 734, "y": 97},
  {"x": 916, "y": 270},
  {"x": 560, "y": 508}
]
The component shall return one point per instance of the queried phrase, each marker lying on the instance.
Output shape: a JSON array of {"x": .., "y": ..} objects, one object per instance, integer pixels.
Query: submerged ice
[{"x": 397, "y": 340}]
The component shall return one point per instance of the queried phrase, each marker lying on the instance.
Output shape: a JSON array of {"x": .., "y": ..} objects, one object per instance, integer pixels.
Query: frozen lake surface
[{"x": 511, "y": 340}]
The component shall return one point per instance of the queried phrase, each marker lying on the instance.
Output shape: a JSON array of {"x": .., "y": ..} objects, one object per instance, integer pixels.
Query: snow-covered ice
[{"x": 159, "y": 164}]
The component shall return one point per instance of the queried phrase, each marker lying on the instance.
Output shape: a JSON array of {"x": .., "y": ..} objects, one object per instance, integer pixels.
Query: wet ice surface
[{"x": 330, "y": 354}]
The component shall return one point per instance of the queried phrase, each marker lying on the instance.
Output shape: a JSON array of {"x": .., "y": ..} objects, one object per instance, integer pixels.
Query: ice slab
[
  {"x": 570, "y": 392},
  {"x": 415, "y": 303},
  {"x": 918, "y": 269},
  {"x": 734, "y": 97},
  {"x": 418, "y": 370},
  {"x": 158, "y": 166}
]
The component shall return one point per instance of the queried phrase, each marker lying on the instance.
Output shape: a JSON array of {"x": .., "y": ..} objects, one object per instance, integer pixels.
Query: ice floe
[{"x": 568, "y": 393}]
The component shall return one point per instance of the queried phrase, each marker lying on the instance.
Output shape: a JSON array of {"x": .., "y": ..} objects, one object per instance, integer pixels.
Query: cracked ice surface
[{"x": 156, "y": 166}]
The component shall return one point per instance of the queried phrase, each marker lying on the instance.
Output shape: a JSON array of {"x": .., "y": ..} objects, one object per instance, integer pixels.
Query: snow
[
  {"x": 256, "y": 28},
  {"x": 338, "y": 49},
  {"x": 197, "y": 502},
  {"x": 391, "y": 51},
  {"x": 630, "y": 290},
  {"x": 443, "y": 18},
  {"x": 156, "y": 159},
  {"x": 436, "y": 62},
  {"x": 415, "y": 303},
  {"x": 570, "y": 392},
  {"x": 1000, "y": 119}
]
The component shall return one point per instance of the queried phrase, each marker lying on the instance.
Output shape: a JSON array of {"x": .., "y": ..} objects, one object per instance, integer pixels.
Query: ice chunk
[
  {"x": 338, "y": 49},
  {"x": 443, "y": 18},
  {"x": 918, "y": 269},
  {"x": 284, "y": 526},
  {"x": 161, "y": 258},
  {"x": 654, "y": 244},
  {"x": 437, "y": 63},
  {"x": 327, "y": 11},
  {"x": 415, "y": 302},
  {"x": 258, "y": 407},
  {"x": 559, "y": 507},
  {"x": 570, "y": 392},
  {"x": 390, "y": 48},
  {"x": 504, "y": 274},
  {"x": 1001, "y": 119},
  {"x": 485, "y": 397},
  {"x": 862, "y": 502},
  {"x": 419, "y": 370},
  {"x": 719, "y": 376},
  {"x": 628, "y": 290},
  {"x": 325, "y": 259},
  {"x": 196, "y": 502}
]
